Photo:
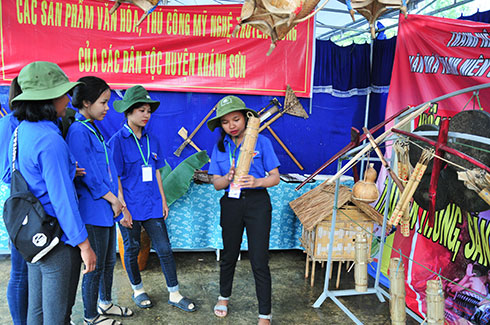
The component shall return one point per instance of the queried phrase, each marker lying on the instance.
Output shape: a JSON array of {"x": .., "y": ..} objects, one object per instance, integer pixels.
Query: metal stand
[{"x": 377, "y": 290}]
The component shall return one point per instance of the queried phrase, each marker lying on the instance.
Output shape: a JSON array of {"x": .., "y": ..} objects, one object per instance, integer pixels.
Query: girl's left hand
[
  {"x": 165, "y": 210},
  {"x": 247, "y": 181}
]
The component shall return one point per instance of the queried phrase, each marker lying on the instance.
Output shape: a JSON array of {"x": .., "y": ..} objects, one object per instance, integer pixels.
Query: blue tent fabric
[
  {"x": 483, "y": 17},
  {"x": 341, "y": 71}
]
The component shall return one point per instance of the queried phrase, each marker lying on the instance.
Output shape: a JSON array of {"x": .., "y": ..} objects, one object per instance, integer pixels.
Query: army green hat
[
  {"x": 227, "y": 105},
  {"x": 42, "y": 80},
  {"x": 134, "y": 95}
]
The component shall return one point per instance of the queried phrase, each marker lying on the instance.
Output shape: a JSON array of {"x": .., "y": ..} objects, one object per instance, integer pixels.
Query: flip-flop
[
  {"x": 183, "y": 304},
  {"x": 139, "y": 299},
  {"x": 121, "y": 311},
  {"x": 101, "y": 320}
]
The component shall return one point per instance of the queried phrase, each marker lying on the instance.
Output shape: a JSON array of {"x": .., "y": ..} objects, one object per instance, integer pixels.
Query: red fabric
[
  {"x": 440, "y": 248},
  {"x": 71, "y": 33}
]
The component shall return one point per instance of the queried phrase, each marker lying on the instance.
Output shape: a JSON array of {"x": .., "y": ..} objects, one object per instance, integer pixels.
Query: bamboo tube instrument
[
  {"x": 411, "y": 187},
  {"x": 248, "y": 146},
  {"x": 397, "y": 292},
  {"x": 435, "y": 302},
  {"x": 401, "y": 149},
  {"x": 361, "y": 258}
]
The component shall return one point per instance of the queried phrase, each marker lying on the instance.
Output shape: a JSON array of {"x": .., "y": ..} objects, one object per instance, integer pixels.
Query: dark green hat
[
  {"x": 42, "y": 80},
  {"x": 134, "y": 95},
  {"x": 225, "y": 106}
]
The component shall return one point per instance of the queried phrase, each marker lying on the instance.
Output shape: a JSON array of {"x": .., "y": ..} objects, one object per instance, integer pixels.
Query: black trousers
[{"x": 252, "y": 211}]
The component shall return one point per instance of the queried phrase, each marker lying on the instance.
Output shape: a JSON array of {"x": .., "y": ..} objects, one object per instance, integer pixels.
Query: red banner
[
  {"x": 436, "y": 56},
  {"x": 184, "y": 48}
]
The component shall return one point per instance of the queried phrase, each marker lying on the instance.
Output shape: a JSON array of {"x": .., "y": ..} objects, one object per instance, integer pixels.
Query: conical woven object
[
  {"x": 274, "y": 17},
  {"x": 292, "y": 105}
]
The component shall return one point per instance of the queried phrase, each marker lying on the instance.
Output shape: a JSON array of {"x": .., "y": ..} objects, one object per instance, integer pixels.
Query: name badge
[
  {"x": 234, "y": 192},
  {"x": 147, "y": 173}
]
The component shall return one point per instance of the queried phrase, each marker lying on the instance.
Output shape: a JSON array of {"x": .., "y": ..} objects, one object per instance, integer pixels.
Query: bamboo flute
[{"x": 397, "y": 292}]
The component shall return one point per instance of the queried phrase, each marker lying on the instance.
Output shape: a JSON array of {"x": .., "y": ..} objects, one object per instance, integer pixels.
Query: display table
[{"x": 193, "y": 221}]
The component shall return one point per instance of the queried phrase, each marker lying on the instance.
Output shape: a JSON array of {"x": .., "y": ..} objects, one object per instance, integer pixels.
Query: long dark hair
[
  {"x": 34, "y": 111},
  {"x": 221, "y": 143},
  {"x": 90, "y": 90}
]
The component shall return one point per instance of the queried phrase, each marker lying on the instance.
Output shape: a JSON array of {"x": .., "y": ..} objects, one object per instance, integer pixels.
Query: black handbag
[{"x": 33, "y": 232}]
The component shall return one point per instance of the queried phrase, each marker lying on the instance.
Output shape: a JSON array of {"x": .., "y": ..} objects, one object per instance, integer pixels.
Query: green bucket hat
[
  {"x": 134, "y": 95},
  {"x": 227, "y": 105},
  {"x": 42, "y": 80}
]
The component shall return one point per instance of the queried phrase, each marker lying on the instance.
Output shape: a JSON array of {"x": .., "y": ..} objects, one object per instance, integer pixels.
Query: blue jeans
[
  {"x": 98, "y": 284},
  {"x": 157, "y": 231},
  {"x": 17, "y": 288},
  {"x": 53, "y": 285}
]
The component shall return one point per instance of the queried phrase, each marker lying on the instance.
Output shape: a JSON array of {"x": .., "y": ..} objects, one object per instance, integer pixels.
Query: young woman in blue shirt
[
  {"x": 138, "y": 157},
  {"x": 48, "y": 168},
  {"x": 97, "y": 193},
  {"x": 250, "y": 208},
  {"x": 17, "y": 286}
]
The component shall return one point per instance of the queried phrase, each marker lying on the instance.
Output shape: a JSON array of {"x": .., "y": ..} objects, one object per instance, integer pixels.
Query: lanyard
[
  {"x": 138, "y": 145},
  {"x": 232, "y": 157},
  {"x": 101, "y": 140}
]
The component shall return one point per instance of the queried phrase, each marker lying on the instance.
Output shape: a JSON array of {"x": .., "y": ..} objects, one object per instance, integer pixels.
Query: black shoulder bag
[{"x": 33, "y": 232}]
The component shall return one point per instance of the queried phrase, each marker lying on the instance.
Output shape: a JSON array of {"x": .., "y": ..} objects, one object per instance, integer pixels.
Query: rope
[
  {"x": 439, "y": 157},
  {"x": 472, "y": 147}
]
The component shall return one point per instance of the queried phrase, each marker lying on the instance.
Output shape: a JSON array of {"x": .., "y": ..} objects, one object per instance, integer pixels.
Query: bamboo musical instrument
[
  {"x": 435, "y": 302},
  {"x": 361, "y": 258},
  {"x": 477, "y": 180},
  {"x": 403, "y": 165},
  {"x": 397, "y": 292},
  {"x": 411, "y": 187},
  {"x": 248, "y": 146}
]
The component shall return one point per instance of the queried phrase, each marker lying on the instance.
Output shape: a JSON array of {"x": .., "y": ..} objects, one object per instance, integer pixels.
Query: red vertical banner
[
  {"x": 184, "y": 48},
  {"x": 436, "y": 56}
]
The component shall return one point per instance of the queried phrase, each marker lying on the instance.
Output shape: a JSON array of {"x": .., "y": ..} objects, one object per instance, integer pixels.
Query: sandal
[
  {"x": 221, "y": 308},
  {"x": 267, "y": 317},
  {"x": 183, "y": 304},
  {"x": 139, "y": 299},
  {"x": 120, "y": 311},
  {"x": 101, "y": 320}
]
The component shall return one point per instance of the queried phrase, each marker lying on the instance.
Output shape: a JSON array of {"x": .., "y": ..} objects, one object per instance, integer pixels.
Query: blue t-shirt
[
  {"x": 101, "y": 175},
  {"x": 143, "y": 199},
  {"x": 48, "y": 168},
  {"x": 264, "y": 159},
  {"x": 8, "y": 123}
]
